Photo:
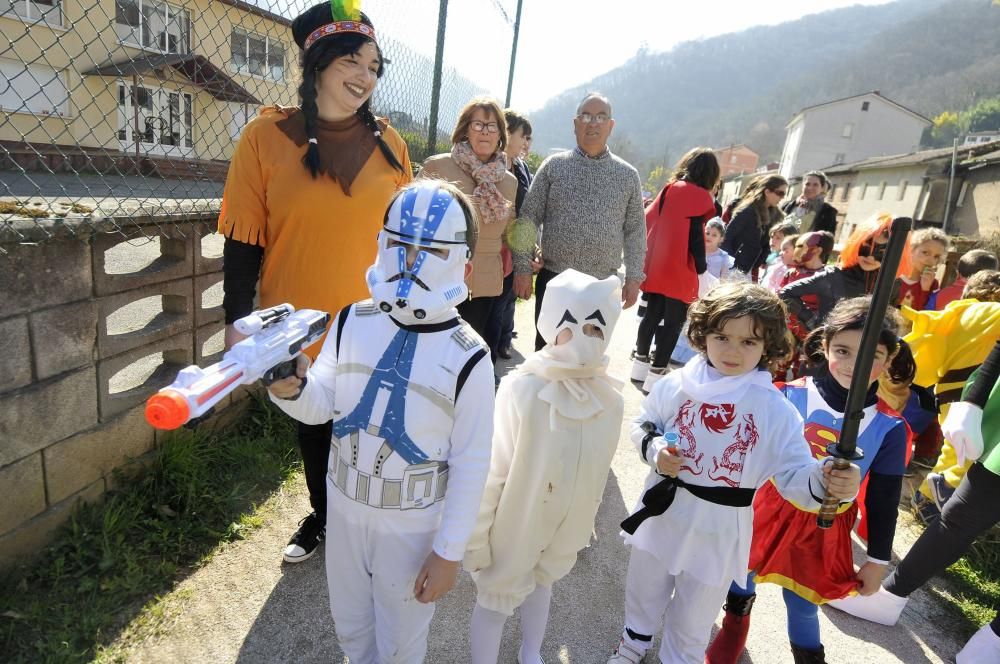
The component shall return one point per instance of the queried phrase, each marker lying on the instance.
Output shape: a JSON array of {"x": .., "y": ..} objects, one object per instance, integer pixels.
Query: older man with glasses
[{"x": 587, "y": 202}]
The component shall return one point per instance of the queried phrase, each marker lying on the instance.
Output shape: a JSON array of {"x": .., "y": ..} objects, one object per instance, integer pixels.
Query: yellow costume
[{"x": 948, "y": 345}]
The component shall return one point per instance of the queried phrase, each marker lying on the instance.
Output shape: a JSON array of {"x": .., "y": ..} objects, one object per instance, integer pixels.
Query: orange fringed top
[{"x": 317, "y": 241}]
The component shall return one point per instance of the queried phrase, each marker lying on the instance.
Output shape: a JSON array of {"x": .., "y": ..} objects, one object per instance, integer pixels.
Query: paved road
[
  {"x": 246, "y": 606},
  {"x": 101, "y": 186}
]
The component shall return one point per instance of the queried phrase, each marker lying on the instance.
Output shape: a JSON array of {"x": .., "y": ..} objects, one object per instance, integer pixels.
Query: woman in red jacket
[{"x": 675, "y": 256}]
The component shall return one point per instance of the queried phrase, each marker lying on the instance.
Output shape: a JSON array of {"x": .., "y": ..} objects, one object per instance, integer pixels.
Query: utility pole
[
  {"x": 951, "y": 184},
  {"x": 436, "y": 84},
  {"x": 513, "y": 52}
]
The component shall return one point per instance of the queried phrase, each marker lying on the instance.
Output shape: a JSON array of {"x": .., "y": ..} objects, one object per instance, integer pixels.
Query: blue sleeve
[{"x": 891, "y": 456}]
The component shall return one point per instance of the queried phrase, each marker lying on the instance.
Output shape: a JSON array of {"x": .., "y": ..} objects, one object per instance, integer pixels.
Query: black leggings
[
  {"x": 541, "y": 282},
  {"x": 973, "y": 509},
  {"x": 314, "y": 441},
  {"x": 673, "y": 313}
]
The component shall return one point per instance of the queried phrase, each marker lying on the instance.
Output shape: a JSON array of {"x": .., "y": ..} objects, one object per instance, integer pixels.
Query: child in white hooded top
[
  {"x": 716, "y": 430},
  {"x": 556, "y": 428}
]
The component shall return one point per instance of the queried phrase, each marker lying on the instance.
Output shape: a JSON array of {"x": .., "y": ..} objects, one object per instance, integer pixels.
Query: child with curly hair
[{"x": 712, "y": 432}]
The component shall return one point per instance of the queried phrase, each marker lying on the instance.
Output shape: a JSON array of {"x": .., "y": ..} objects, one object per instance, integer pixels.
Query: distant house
[
  {"x": 980, "y": 137},
  {"x": 736, "y": 159},
  {"x": 845, "y": 131},
  {"x": 976, "y": 211},
  {"x": 916, "y": 185}
]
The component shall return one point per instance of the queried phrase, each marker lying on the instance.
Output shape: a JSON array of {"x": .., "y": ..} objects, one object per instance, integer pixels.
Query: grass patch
[
  {"x": 112, "y": 561},
  {"x": 976, "y": 580}
]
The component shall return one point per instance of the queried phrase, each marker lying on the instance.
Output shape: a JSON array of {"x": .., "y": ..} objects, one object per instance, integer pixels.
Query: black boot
[{"x": 808, "y": 656}]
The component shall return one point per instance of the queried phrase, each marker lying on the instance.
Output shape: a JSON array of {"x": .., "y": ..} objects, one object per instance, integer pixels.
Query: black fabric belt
[{"x": 660, "y": 496}]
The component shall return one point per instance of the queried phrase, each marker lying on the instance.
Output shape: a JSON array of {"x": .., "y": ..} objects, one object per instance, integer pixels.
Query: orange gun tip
[{"x": 167, "y": 410}]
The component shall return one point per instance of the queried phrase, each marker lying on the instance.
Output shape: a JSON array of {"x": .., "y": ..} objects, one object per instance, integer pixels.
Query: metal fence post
[
  {"x": 436, "y": 85},
  {"x": 513, "y": 53}
]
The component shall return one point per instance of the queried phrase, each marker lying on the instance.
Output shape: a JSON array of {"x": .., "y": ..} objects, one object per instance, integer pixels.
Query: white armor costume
[
  {"x": 409, "y": 387},
  {"x": 558, "y": 419}
]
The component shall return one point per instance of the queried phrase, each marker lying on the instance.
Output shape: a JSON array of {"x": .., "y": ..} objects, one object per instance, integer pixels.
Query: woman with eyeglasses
[
  {"x": 477, "y": 165},
  {"x": 747, "y": 237},
  {"x": 853, "y": 276}
]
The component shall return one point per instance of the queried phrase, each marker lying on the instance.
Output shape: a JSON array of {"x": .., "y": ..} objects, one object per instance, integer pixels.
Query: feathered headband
[{"x": 346, "y": 18}]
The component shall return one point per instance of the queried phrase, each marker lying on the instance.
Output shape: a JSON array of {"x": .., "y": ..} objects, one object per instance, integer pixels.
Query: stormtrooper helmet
[
  {"x": 588, "y": 308},
  {"x": 428, "y": 217}
]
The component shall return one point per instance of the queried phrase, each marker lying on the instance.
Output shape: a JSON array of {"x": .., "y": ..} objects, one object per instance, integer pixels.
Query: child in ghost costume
[{"x": 556, "y": 429}]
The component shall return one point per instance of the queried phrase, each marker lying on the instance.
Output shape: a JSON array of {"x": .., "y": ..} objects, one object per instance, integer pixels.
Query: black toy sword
[{"x": 845, "y": 450}]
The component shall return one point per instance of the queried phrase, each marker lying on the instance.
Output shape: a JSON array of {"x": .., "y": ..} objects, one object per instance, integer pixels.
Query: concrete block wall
[{"x": 91, "y": 328}]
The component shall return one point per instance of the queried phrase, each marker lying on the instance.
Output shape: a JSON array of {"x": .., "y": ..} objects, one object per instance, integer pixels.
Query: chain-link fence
[{"x": 116, "y": 109}]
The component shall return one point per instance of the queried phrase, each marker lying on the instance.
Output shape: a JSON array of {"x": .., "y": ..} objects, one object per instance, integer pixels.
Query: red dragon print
[
  {"x": 685, "y": 422},
  {"x": 730, "y": 468}
]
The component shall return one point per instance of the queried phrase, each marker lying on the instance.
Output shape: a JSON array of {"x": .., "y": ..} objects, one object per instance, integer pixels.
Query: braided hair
[{"x": 317, "y": 58}]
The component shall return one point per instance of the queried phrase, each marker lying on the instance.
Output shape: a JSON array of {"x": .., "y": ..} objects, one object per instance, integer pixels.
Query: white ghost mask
[
  {"x": 585, "y": 310},
  {"x": 580, "y": 311}
]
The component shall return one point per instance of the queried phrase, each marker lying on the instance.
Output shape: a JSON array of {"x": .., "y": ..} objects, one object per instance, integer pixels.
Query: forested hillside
[{"x": 929, "y": 55}]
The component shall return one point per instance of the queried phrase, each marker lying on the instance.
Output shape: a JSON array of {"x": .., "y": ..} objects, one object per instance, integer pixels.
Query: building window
[
  {"x": 848, "y": 130},
  {"x": 961, "y": 194},
  {"x": 33, "y": 88},
  {"x": 832, "y": 192},
  {"x": 881, "y": 189},
  {"x": 846, "y": 192},
  {"x": 732, "y": 159},
  {"x": 257, "y": 55},
  {"x": 48, "y": 11},
  {"x": 152, "y": 25},
  {"x": 864, "y": 105},
  {"x": 157, "y": 116},
  {"x": 901, "y": 194},
  {"x": 864, "y": 190},
  {"x": 240, "y": 115}
]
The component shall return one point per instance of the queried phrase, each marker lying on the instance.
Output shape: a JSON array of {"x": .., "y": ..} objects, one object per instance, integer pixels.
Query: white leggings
[{"x": 487, "y": 629}]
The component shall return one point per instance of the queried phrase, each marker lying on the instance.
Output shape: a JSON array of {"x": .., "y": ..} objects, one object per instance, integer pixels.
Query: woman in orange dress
[{"x": 305, "y": 197}]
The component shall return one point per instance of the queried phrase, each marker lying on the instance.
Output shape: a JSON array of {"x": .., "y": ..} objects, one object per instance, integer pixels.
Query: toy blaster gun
[{"x": 275, "y": 337}]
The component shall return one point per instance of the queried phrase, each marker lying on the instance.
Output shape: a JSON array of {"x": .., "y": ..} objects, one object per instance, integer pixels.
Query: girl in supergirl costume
[
  {"x": 853, "y": 275},
  {"x": 814, "y": 565}
]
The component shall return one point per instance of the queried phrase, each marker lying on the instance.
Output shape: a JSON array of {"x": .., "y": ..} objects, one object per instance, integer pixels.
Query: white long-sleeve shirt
[{"x": 385, "y": 432}]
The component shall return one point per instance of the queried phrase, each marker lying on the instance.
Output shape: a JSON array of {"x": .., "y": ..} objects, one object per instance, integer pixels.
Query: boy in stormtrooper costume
[
  {"x": 558, "y": 419},
  {"x": 409, "y": 387}
]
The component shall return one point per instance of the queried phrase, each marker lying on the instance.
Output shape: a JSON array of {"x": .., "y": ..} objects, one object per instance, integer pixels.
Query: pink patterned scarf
[{"x": 493, "y": 207}]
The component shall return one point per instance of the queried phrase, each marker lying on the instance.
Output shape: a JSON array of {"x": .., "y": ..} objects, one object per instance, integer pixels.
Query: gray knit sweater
[{"x": 590, "y": 213}]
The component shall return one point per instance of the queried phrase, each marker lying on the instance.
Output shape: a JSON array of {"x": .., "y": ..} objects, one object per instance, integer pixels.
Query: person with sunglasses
[
  {"x": 748, "y": 236},
  {"x": 477, "y": 165},
  {"x": 853, "y": 276}
]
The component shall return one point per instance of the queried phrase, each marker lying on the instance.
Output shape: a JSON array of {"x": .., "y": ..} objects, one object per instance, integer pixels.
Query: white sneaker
[
  {"x": 883, "y": 607},
  {"x": 983, "y": 647},
  {"x": 654, "y": 375},
  {"x": 625, "y": 654},
  {"x": 640, "y": 367}
]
